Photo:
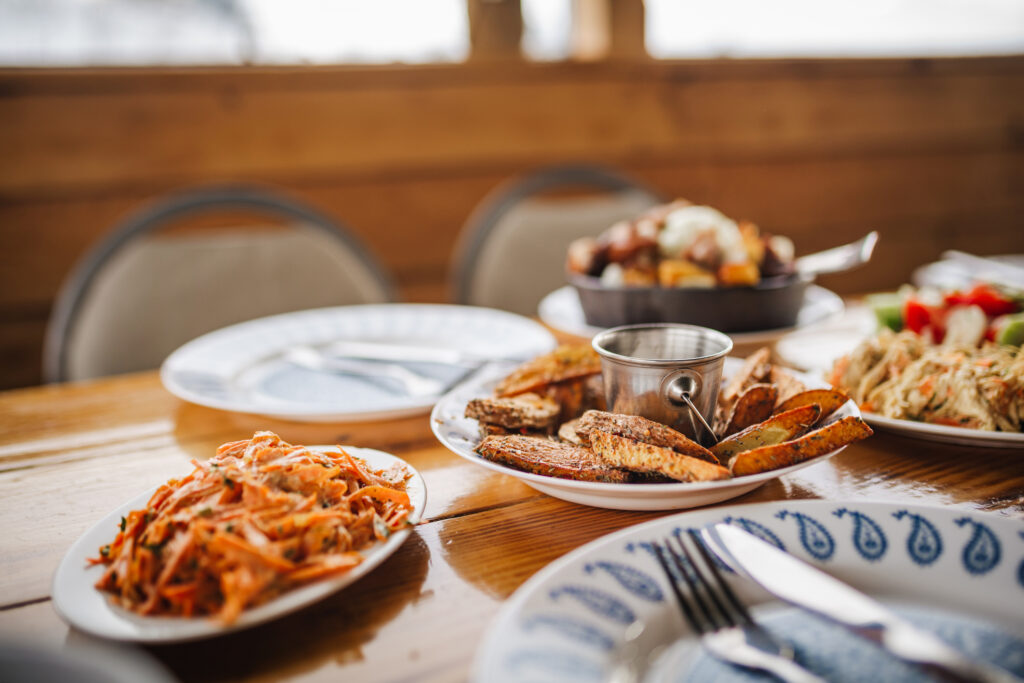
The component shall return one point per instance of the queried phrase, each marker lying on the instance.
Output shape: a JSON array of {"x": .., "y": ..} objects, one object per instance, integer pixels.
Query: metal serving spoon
[{"x": 838, "y": 259}]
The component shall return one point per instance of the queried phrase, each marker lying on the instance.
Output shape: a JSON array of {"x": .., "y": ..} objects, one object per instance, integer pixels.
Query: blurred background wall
[{"x": 917, "y": 135}]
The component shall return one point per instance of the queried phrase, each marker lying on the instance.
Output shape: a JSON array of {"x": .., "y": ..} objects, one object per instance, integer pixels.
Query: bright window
[{"x": 826, "y": 28}]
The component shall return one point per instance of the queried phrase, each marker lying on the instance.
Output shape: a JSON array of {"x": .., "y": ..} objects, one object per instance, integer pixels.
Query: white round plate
[
  {"x": 561, "y": 310},
  {"x": 960, "y": 436},
  {"x": 83, "y": 606},
  {"x": 950, "y": 274},
  {"x": 462, "y": 434},
  {"x": 815, "y": 350},
  {"x": 606, "y": 609},
  {"x": 242, "y": 368}
]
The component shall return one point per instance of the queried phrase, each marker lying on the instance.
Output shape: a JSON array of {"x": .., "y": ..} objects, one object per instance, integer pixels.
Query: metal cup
[{"x": 666, "y": 372}]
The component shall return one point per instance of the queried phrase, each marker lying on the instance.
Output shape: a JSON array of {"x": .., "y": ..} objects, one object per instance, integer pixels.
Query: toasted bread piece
[
  {"x": 550, "y": 458},
  {"x": 776, "y": 429},
  {"x": 754, "y": 405},
  {"x": 756, "y": 369},
  {"x": 830, "y": 400},
  {"x": 640, "y": 429},
  {"x": 567, "y": 432},
  {"x": 617, "y": 451},
  {"x": 787, "y": 385},
  {"x": 576, "y": 396},
  {"x": 810, "y": 445},
  {"x": 566, "y": 362},
  {"x": 526, "y": 411}
]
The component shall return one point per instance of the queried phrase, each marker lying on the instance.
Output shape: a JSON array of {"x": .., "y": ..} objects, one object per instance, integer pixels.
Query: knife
[{"x": 809, "y": 588}]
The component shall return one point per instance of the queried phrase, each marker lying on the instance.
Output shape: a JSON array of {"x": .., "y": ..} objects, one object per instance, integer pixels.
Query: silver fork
[{"x": 714, "y": 612}]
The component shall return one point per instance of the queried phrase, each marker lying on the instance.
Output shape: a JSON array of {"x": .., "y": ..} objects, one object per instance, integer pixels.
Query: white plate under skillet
[
  {"x": 462, "y": 434},
  {"x": 561, "y": 310},
  {"x": 606, "y": 612},
  {"x": 88, "y": 609},
  {"x": 244, "y": 367}
]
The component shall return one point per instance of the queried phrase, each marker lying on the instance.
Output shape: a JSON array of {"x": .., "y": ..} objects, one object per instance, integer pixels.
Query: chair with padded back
[
  {"x": 145, "y": 289},
  {"x": 511, "y": 252}
]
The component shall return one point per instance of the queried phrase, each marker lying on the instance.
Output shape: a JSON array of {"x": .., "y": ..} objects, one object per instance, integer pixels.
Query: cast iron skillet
[{"x": 772, "y": 303}]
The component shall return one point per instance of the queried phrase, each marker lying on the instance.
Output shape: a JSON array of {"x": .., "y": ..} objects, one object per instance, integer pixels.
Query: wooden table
[{"x": 70, "y": 454}]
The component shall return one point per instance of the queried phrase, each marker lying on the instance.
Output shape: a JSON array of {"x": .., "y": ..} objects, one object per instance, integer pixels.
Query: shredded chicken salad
[
  {"x": 258, "y": 519},
  {"x": 903, "y": 376}
]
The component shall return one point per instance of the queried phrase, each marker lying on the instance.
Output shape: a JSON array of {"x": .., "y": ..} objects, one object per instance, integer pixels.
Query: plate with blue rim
[{"x": 606, "y": 612}]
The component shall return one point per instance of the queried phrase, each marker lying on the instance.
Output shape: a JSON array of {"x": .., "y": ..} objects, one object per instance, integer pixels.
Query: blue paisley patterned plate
[
  {"x": 605, "y": 611},
  {"x": 461, "y": 435}
]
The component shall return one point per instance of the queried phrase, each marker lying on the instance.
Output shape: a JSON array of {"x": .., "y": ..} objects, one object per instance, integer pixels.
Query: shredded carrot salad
[{"x": 258, "y": 519}]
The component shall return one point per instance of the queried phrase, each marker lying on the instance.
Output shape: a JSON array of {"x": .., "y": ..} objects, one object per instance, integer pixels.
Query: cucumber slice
[
  {"x": 888, "y": 308},
  {"x": 1009, "y": 329}
]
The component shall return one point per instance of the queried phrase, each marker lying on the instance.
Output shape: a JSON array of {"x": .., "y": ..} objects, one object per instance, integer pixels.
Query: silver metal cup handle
[{"x": 678, "y": 393}]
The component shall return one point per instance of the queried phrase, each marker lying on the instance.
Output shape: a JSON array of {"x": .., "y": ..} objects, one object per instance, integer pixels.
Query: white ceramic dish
[
  {"x": 242, "y": 368},
  {"x": 80, "y": 604},
  {"x": 461, "y": 435},
  {"x": 606, "y": 609},
  {"x": 562, "y": 311},
  {"x": 814, "y": 351}
]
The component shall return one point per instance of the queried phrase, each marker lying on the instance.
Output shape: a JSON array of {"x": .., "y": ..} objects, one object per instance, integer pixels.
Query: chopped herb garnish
[
  {"x": 124, "y": 523},
  {"x": 229, "y": 528},
  {"x": 205, "y": 512},
  {"x": 229, "y": 483},
  {"x": 105, "y": 551}
]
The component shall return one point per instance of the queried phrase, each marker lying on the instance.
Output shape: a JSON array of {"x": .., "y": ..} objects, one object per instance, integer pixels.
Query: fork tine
[
  {"x": 721, "y": 592},
  {"x": 703, "y": 596},
  {"x": 684, "y": 604}
]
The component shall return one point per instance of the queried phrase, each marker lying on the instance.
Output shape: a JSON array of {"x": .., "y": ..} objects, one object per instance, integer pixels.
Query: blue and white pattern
[
  {"x": 868, "y": 537},
  {"x": 982, "y": 552},
  {"x": 609, "y": 602},
  {"x": 924, "y": 544}
]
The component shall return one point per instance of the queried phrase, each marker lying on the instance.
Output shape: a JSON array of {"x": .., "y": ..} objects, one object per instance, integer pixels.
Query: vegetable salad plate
[
  {"x": 605, "y": 612},
  {"x": 814, "y": 351},
  {"x": 461, "y": 435},
  {"x": 85, "y": 607},
  {"x": 562, "y": 310},
  {"x": 254, "y": 367}
]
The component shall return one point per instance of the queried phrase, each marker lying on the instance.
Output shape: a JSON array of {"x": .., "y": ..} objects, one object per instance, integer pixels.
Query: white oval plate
[
  {"x": 814, "y": 351},
  {"x": 462, "y": 434},
  {"x": 561, "y": 310},
  {"x": 608, "y": 602},
  {"x": 83, "y": 606},
  {"x": 242, "y": 368}
]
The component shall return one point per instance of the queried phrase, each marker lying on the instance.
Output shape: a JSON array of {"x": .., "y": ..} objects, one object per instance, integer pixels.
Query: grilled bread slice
[
  {"x": 526, "y": 411},
  {"x": 617, "y": 451},
  {"x": 640, "y": 429},
  {"x": 550, "y": 458},
  {"x": 570, "y": 361}
]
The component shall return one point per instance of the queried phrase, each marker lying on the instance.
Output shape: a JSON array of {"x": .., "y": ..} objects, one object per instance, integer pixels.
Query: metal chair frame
[
  {"x": 158, "y": 215},
  {"x": 506, "y": 196}
]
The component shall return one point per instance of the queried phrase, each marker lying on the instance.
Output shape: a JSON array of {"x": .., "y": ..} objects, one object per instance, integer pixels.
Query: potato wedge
[
  {"x": 811, "y": 445},
  {"x": 829, "y": 400},
  {"x": 776, "y": 429},
  {"x": 756, "y": 368},
  {"x": 640, "y": 429},
  {"x": 786, "y": 383},
  {"x": 754, "y": 405},
  {"x": 622, "y": 453}
]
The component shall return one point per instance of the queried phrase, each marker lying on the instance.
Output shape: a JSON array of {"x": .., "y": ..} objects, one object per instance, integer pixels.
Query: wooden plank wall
[{"x": 929, "y": 152}]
